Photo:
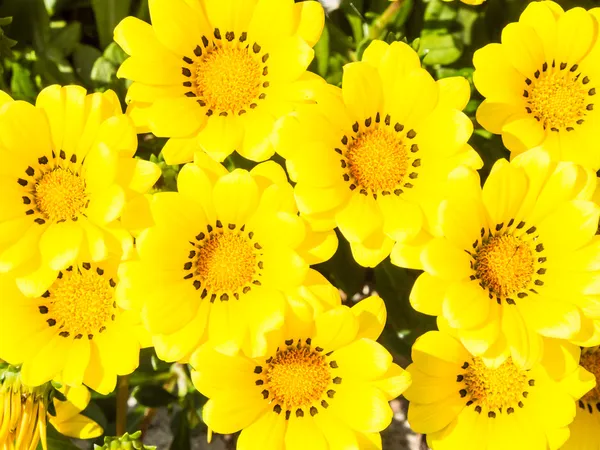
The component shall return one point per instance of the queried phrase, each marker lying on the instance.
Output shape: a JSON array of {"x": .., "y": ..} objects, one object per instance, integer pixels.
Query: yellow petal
[
  {"x": 79, "y": 427},
  {"x": 267, "y": 433},
  {"x": 360, "y": 218},
  {"x": 178, "y": 26},
  {"x": 439, "y": 354},
  {"x": 311, "y": 21},
  {"x": 466, "y": 305},
  {"x": 235, "y": 196},
  {"x": 523, "y": 48},
  {"x": 335, "y": 328},
  {"x": 175, "y": 117},
  {"x": 361, "y": 89},
  {"x": 302, "y": 432},
  {"x": 180, "y": 150},
  {"x": 234, "y": 410},
  {"x": 106, "y": 206},
  {"x": 427, "y": 294},
  {"x": 371, "y": 314},
  {"x": 454, "y": 92},
  {"x": 361, "y": 406},
  {"x": 442, "y": 259},
  {"x": 221, "y": 136},
  {"x": 60, "y": 244},
  {"x": 363, "y": 359}
]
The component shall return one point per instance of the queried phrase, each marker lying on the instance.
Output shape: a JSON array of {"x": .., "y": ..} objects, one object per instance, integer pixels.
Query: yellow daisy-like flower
[
  {"x": 373, "y": 157},
  {"x": 320, "y": 385},
  {"x": 67, "y": 175},
  {"x": 460, "y": 403},
  {"x": 517, "y": 260},
  {"x": 218, "y": 74},
  {"x": 540, "y": 84},
  {"x": 585, "y": 429},
  {"x": 25, "y": 411},
  {"x": 225, "y": 252},
  {"x": 74, "y": 331},
  {"x": 470, "y": 2}
]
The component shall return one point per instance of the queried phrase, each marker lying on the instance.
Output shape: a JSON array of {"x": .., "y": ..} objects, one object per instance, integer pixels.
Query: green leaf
[
  {"x": 321, "y": 62},
  {"x": 84, "y": 58},
  {"x": 115, "y": 54},
  {"x": 21, "y": 83},
  {"x": 153, "y": 396},
  {"x": 31, "y": 23},
  {"x": 103, "y": 71},
  {"x": 439, "y": 49},
  {"x": 57, "y": 441},
  {"x": 66, "y": 39},
  {"x": 181, "y": 431},
  {"x": 108, "y": 14}
]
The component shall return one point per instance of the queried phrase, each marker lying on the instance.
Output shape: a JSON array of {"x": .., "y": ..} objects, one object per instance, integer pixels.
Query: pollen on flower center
[
  {"x": 500, "y": 388},
  {"x": 60, "y": 194},
  {"x": 557, "y": 99},
  {"x": 590, "y": 361},
  {"x": 504, "y": 265},
  {"x": 228, "y": 79},
  {"x": 226, "y": 262},
  {"x": 377, "y": 159},
  {"x": 80, "y": 302},
  {"x": 297, "y": 377}
]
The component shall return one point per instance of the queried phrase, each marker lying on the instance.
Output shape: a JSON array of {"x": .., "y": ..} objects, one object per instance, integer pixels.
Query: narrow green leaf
[{"x": 108, "y": 14}]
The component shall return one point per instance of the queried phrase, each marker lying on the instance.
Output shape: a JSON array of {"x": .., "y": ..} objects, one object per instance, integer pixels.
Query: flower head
[
  {"x": 25, "y": 411},
  {"x": 517, "y": 260},
  {"x": 75, "y": 331},
  {"x": 217, "y": 75},
  {"x": 373, "y": 157},
  {"x": 68, "y": 175},
  {"x": 586, "y": 426},
  {"x": 323, "y": 384},
  {"x": 225, "y": 260},
  {"x": 460, "y": 401},
  {"x": 540, "y": 83}
]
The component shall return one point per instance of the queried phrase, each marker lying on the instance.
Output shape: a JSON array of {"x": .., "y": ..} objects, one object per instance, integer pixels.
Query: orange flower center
[
  {"x": 377, "y": 159},
  {"x": 504, "y": 264},
  {"x": 60, "y": 195},
  {"x": 228, "y": 79},
  {"x": 590, "y": 361},
  {"x": 80, "y": 302},
  {"x": 496, "y": 389},
  {"x": 297, "y": 377},
  {"x": 559, "y": 97}
]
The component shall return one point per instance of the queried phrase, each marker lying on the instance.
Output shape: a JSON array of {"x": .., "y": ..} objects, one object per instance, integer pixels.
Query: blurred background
[{"x": 43, "y": 42}]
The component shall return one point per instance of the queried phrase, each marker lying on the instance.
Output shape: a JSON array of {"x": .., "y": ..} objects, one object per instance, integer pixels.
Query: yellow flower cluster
[{"x": 219, "y": 276}]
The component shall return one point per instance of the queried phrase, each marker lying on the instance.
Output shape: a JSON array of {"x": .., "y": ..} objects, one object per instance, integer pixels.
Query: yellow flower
[
  {"x": 461, "y": 403},
  {"x": 373, "y": 157},
  {"x": 585, "y": 429},
  {"x": 470, "y": 2},
  {"x": 226, "y": 251},
  {"x": 25, "y": 411},
  {"x": 67, "y": 175},
  {"x": 540, "y": 84},
  {"x": 517, "y": 260},
  {"x": 74, "y": 332},
  {"x": 322, "y": 385},
  {"x": 218, "y": 74}
]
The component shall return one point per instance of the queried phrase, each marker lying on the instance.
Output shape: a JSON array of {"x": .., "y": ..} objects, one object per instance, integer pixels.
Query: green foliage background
[{"x": 43, "y": 42}]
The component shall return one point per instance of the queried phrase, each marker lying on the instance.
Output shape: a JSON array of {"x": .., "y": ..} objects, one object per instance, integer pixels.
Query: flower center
[
  {"x": 558, "y": 97},
  {"x": 60, "y": 195},
  {"x": 377, "y": 159},
  {"x": 504, "y": 264},
  {"x": 228, "y": 79},
  {"x": 226, "y": 73},
  {"x": 80, "y": 302},
  {"x": 590, "y": 361},
  {"x": 297, "y": 377},
  {"x": 224, "y": 262},
  {"x": 499, "y": 389}
]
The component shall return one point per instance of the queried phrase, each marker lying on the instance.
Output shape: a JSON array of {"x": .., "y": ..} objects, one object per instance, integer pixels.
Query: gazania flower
[
  {"x": 461, "y": 403},
  {"x": 217, "y": 75},
  {"x": 322, "y": 385},
  {"x": 585, "y": 429},
  {"x": 540, "y": 84},
  {"x": 67, "y": 174},
  {"x": 25, "y": 411},
  {"x": 74, "y": 332},
  {"x": 225, "y": 252},
  {"x": 373, "y": 158},
  {"x": 516, "y": 261}
]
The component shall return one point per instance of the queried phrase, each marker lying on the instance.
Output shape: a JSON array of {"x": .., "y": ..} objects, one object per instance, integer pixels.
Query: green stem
[
  {"x": 384, "y": 19},
  {"x": 122, "y": 397}
]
